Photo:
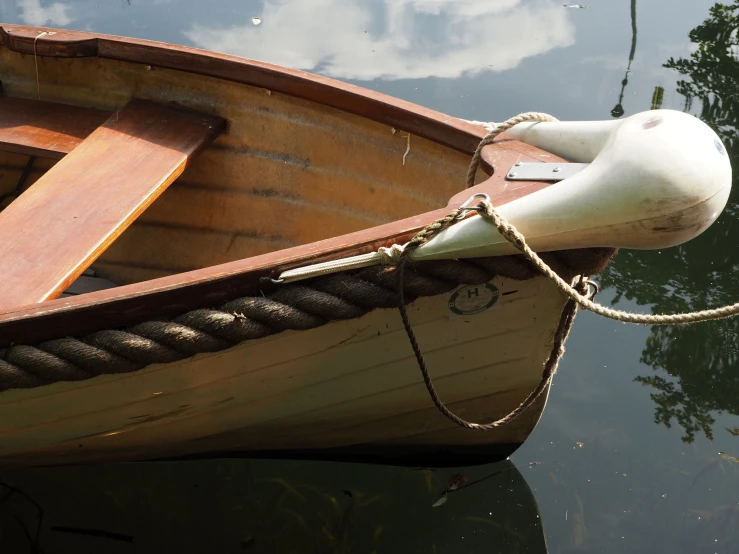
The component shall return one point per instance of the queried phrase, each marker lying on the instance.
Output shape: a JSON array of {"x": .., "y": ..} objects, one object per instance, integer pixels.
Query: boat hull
[
  {"x": 308, "y": 170},
  {"x": 346, "y": 390}
]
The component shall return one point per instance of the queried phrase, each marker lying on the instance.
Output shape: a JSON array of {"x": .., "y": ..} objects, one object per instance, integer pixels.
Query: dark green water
[{"x": 630, "y": 438}]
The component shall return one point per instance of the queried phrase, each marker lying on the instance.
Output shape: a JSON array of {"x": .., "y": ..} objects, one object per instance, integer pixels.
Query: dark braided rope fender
[{"x": 294, "y": 307}]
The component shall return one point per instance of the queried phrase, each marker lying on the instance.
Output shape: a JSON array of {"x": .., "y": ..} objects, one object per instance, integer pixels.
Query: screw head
[
  {"x": 512, "y": 174},
  {"x": 556, "y": 169},
  {"x": 517, "y": 164}
]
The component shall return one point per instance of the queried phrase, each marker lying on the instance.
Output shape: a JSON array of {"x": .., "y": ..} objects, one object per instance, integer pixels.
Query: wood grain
[
  {"x": 36, "y": 41},
  {"x": 343, "y": 384},
  {"x": 406, "y": 116},
  {"x": 299, "y": 148},
  {"x": 57, "y": 227},
  {"x": 45, "y": 128},
  {"x": 210, "y": 81},
  {"x": 166, "y": 296}
]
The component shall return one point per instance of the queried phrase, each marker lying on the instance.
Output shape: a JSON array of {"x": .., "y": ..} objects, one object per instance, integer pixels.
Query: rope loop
[
  {"x": 330, "y": 297},
  {"x": 579, "y": 295}
]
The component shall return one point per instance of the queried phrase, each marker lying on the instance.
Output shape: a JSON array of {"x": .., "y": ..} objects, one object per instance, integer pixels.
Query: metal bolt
[
  {"x": 512, "y": 174},
  {"x": 517, "y": 163},
  {"x": 556, "y": 170}
]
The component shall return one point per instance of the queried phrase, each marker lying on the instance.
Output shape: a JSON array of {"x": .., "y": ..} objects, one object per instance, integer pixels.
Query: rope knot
[{"x": 391, "y": 255}]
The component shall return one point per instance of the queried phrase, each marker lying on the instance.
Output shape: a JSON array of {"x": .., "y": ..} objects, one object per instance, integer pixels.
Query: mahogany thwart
[
  {"x": 44, "y": 128},
  {"x": 74, "y": 211}
]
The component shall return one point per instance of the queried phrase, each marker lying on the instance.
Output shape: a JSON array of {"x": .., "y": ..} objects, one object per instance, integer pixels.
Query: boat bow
[{"x": 654, "y": 180}]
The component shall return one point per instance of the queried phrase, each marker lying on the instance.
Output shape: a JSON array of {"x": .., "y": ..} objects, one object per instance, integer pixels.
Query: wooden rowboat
[{"x": 153, "y": 196}]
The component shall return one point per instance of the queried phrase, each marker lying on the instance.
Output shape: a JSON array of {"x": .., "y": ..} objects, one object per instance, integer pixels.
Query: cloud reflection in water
[
  {"x": 394, "y": 39},
  {"x": 33, "y": 13}
]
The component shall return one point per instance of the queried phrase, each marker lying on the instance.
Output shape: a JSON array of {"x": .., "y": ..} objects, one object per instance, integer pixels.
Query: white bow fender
[{"x": 655, "y": 179}]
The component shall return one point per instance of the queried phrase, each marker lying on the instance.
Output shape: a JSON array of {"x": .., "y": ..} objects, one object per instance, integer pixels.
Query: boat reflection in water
[{"x": 233, "y": 505}]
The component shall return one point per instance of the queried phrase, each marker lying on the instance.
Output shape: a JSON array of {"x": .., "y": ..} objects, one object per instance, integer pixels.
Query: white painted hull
[{"x": 352, "y": 387}]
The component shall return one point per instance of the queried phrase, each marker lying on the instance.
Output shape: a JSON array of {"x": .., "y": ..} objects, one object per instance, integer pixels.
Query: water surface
[{"x": 626, "y": 457}]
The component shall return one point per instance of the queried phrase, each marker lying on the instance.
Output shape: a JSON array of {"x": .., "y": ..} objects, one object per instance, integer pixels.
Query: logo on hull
[{"x": 473, "y": 299}]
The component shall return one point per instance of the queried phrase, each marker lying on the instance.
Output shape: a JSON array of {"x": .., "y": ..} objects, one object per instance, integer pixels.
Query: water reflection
[
  {"x": 696, "y": 370},
  {"x": 618, "y": 109},
  {"x": 346, "y": 39},
  {"x": 33, "y": 12},
  {"x": 354, "y": 39},
  {"x": 268, "y": 506},
  {"x": 631, "y": 486}
]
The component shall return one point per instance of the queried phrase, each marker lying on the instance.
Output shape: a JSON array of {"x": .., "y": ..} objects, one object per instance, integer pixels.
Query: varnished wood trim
[
  {"x": 63, "y": 44},
  {"x": 398, "y": 113},
  {"x": 168, "y": 296},
  {"x": 45, "y": 129},
  {"x": 175, "y": 294},
  {"x": 206, "y": 287},
  {"x": 73, "y": 212},
  {"x": 404, "y": 115}
]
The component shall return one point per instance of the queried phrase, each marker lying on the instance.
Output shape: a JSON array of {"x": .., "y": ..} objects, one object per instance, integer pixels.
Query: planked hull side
[
  {"x": 346, "y": 388},
  {"x": 287, "y": 171},
  {"x": 308, "y": 169}
]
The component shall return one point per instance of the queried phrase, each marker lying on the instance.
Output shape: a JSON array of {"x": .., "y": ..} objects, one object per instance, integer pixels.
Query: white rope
[
  {"x": 35, "y": 62},
  {"x": 35, "y": 58},
  {"x": 487, "y": 125},
  {"x": 512, "y": 235},
  {"x": 392, "y": 255}
]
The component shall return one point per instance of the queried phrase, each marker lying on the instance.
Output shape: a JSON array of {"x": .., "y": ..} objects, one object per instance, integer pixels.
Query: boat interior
[{"x": 117, "y": 172}]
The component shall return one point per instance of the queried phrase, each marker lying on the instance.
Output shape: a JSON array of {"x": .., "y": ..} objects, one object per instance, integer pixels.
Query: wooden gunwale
[
  {"x": 210, "y": 286},
  {"x": 421, "y": 121}
]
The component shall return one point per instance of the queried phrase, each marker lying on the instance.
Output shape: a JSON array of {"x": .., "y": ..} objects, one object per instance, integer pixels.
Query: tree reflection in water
[{"x": 700, "y": 360}]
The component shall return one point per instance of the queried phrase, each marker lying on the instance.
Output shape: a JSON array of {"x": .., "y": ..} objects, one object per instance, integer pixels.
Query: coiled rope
[{"x": 292, "y": 307}]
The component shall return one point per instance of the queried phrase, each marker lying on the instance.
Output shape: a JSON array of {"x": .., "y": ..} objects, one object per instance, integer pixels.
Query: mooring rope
[
  {"x": 329, "y": 297},
  {"x": 493, "y": 134},
  {"x": 550, "y": 366},
  {"x": 486, "y": 209},
  {"x": 577, "y": 297}
]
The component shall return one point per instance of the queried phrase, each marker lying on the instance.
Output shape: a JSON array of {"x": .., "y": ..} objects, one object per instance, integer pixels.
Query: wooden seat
[
  {"x": 66, "y": 219},
  {"x": 45, "y": 129}
]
